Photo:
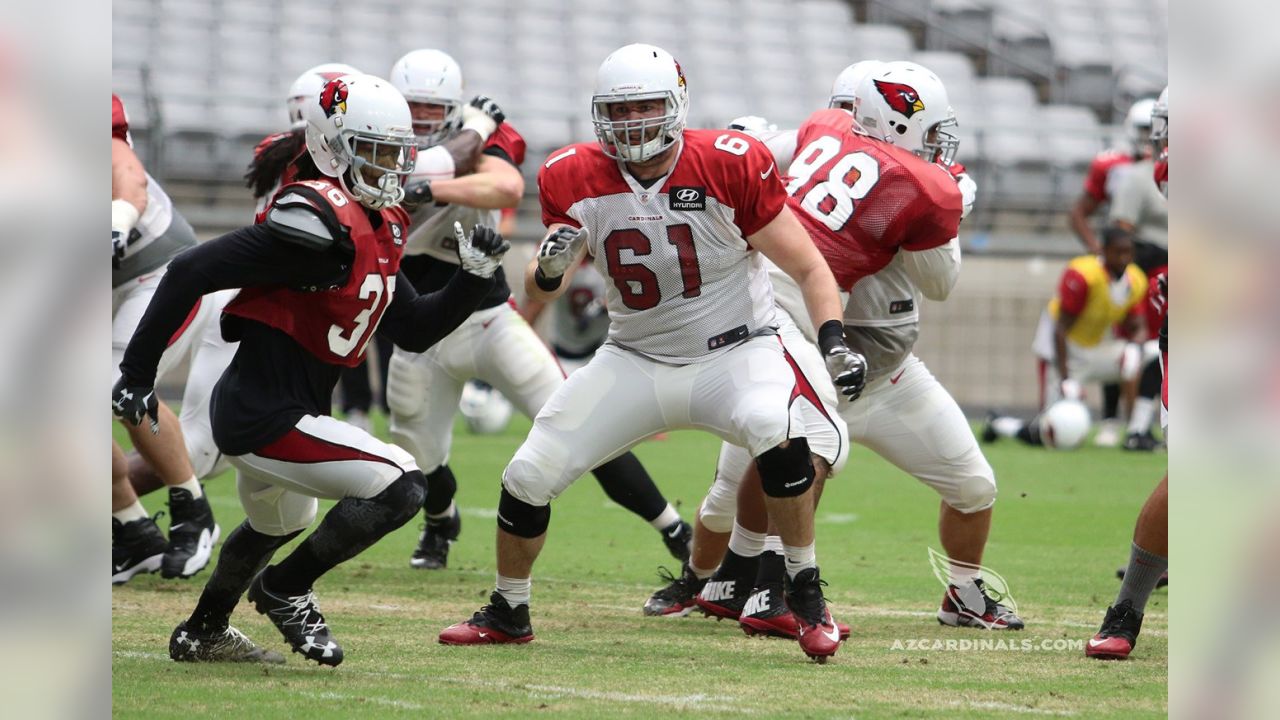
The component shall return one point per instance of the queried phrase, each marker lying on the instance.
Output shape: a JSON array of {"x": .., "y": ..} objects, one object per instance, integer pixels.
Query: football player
[
  {"x": 677, "y": 220},
  {"x": 318, "y": 278},
  {"x": 146, "y": 232},
  {"x": 495, "y": 345}
]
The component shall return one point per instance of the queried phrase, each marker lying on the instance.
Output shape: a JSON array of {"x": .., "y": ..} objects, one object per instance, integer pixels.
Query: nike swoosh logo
[
  {"x": 482, "y": 634},
  {"x": 675, "y": 533},
  {"x": 833, "y": 636},
  {"x": 1095, "y": 642},
  {"x": 894, "y": 380},
  {"x": 179, "y": 526},
  {"x": 121, "y": 567},
  {"x": 766, "y": 173},
  {"x": 485, "y": 325}
]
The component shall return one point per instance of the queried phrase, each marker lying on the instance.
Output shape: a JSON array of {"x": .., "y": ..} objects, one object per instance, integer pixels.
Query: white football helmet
[
  {"x": 1137, "y": 124},
  {"x": 308, "y": 85},
  {"x": 845, "y": 89},
  {"x": 1064, "y": 425},
  {"x": 906, "y": 104},
  {"x": 1160, "y": 118},
  {"x": 486, "y": 410},
  {"x": 359, "y": 130},
  {"x": 431, "y": 77},
  {"x": 633, "y": 73}
]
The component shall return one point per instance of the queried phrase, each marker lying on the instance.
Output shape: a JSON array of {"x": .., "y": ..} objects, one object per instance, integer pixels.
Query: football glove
[
  {"x": 848, "y": 371},
  {"x": 118, "y": 246},
  {"x": 480, "y": 253},
  {"x": 418, "y": 194},
  {"x": 559, "y": 250},
  {"x": 132, "y": 403},
  {"x": 752, "y": 124},
  {"x": 487, "y": 106}
]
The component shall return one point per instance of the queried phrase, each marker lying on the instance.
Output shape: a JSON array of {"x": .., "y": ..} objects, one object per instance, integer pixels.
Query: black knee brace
[
  {"x": 786, "y": 471},
  {"x": 441, "y": 487},
  {"x": 520, "y": 518}
]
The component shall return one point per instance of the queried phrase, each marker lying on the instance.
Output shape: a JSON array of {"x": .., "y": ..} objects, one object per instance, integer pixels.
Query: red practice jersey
[
  {"x": 335, "y": 323},
  {"x": 1105, "y": 172},
  {"x": 119, "y": 121},
  {"x": 862, "y": 199}
]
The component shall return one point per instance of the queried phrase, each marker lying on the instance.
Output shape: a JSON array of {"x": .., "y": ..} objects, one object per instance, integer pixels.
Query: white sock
[
  {"x": 515, "y": 591},
  {"x": 799, "y": 558},
  {"x": 773, "y": 544},
  {"x": 448, "y": 512},
  {"x": 963, "y": 573},
  {"x": 746, "y": 543},
  {"x": 1007, "y": 426},
  {"x": 700, "y": 573},
  {"x": 666, "y": 519},
  {"x": 1144, "y": 410},
  {"x": 131, "y": 513},
  {"x": 191, "y": 485}
]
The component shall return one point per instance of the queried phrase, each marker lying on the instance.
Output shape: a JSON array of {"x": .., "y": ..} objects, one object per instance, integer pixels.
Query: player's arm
[
  {"x": 128, "y": 194},
  {"x": 495, "y": 184},
  {"x": 934, "y": 271},
  {"x": 416, "y": 322},
  {"x": 1061, "y": 329},
  {"x": 559, "y": 254},
  {"x": 457, "y": 156},
  {"x": 1084, "y": 208}
]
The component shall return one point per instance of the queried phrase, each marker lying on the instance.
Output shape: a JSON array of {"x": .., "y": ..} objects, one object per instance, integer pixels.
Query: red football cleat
[
  {"x": 766, "y": 614},
  {"x": 1118, "y": 635},
  {"x": 495, "y": 624},
  {"x": 816, "y": 630}
]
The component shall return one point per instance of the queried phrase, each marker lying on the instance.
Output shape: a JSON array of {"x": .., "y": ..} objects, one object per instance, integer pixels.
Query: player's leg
[
  {"x": 597, "y": 414},
  {"x": 1139, "y": 435},
  {"x": 378, "y": 488},
  {"x": 1148, "y": 560},
  {"x": 423, "y": 396},
  {"x": 513, "y": 359},
  {"x": 137, "y": 545},
  {"x": 209, "y": 360}
]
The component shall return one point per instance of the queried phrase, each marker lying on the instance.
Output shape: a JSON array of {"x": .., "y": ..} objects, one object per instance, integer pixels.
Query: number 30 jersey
[{"x": 683, "y": 281}]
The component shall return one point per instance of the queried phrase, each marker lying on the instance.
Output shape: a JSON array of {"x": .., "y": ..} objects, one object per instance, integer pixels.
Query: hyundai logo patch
[{"x": 688, "y": 198}]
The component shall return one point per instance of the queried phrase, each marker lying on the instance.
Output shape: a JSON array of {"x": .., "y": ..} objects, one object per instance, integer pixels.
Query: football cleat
[
  {"x": 724, "y": 598},
  {"x": 230, "y": 645},
  {"x": 1162, "y": 582},
  {"x": 766, "y": 614},
  {"x": 1141, "y": 442},
  {"x": 434, "y": 542},
  {"x": 678, "y": 537},
  {"x": 991, "y": 616},
  {"x": 192, "y": 534},
  {"x": 815, "y": 629},
  {"x": 494, "y": 624},
  {"x": 137, "y": 546},
  {"x": 989, "y": 434},
  {"x": 678, "y": 597},
  {"x": 299, "y": 620},
  {"x": 1118, "y": 635}
]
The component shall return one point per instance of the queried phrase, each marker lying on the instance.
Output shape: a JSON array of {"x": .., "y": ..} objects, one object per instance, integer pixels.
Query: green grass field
[{"x": 1062, "y": 526}]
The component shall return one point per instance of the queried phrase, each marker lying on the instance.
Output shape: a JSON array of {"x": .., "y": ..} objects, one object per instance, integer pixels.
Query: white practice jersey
[{"x": 684, "y": 281}]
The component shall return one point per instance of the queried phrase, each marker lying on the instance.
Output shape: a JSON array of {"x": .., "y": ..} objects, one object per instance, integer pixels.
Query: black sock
[
  {"x": 627, "y": 483},
  {"x": 1110, "y": 401},
  {"x": 1030, "y": 433},
  {"x": 346, "y": 531},
  {"x": 773, "y": 569},
  {"x": 737, "y": 567},
  {"x": 441, "y": 487},
  {"x": 244, "y": 553},
  {"x": 1152, "y": 379}
]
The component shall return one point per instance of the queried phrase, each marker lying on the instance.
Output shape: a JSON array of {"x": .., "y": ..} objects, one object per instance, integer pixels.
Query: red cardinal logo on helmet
[
  {"x": 902, "y": 98},
  {"x": 333, "y": 98}
]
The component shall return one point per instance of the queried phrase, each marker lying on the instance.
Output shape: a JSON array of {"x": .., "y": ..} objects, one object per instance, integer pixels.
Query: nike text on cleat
[
  {"x": 766, "y": 614},
  {"x": 192, "y": 535},
  {"x": 494, "y": 624},
  {"x": 434, "y": 542},
  {"x": 298, "y": 619},
  {"x": 724, "y": 598},
  {"x": 136, "y": 547},
  {"x": 228, "y": 645},
  {"x": 1118, "y": 635},
  {"x": 678, "y": 597},
  {"x": 815, "y": 628},
  {"x": 991, "y": 615}
]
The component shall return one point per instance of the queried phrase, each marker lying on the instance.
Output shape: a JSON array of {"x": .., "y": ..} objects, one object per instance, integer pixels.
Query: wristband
[
  {"x": 830, "y": 335},
  {"x": 545, "y": 283},
  {"x": 124, "y": 216}
]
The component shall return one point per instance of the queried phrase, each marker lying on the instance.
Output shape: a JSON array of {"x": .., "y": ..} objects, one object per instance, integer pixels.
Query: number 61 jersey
[{"x": 684, "y": 283}]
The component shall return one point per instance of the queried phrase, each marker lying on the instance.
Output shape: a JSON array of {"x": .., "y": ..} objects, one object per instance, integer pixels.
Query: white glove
[
  {"x": 968, "y": 192},
  {"x": 1071, "y": 389},
  {"x": 480, "y": 253},
  {"x": 560, "y": 249},
  {"x": 752, "y": 124}
]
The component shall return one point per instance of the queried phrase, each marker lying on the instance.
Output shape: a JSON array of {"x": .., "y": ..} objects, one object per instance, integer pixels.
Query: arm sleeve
[
  {"x": 416, "y": 322},
  {"x": 1073, "y": 292},
  {"x": 243, "y": 258},
  {"x": 936, "y": 270}
]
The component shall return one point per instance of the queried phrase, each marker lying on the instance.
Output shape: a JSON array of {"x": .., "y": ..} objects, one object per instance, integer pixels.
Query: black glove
[
  {"x": 418, "y": 195},
  {"x": 847, "y": 368},
  {"x": 133, "y": 403},
  {"x": 118, "y": 245},
  {"x": 487, "y": 106}
]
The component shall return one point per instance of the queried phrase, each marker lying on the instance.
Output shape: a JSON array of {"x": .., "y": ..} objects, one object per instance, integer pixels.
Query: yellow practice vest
[{"x": 1100, "y": 311}]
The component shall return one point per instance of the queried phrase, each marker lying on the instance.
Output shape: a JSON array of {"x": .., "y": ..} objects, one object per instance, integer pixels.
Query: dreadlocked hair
[{"x": 269, "y": 163}]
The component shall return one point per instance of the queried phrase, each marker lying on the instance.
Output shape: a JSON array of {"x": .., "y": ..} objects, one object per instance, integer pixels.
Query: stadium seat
[{"x": 879, "y": 41}]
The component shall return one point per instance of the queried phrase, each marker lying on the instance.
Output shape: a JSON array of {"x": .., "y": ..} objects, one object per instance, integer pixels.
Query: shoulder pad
[{"x": 293, "y": 218}]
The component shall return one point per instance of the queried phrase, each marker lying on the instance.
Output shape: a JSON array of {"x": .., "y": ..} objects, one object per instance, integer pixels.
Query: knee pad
[
  {"x": 406, "y": 393},
  {"x": 406, "y": 494},
  {"x": 720, "y": 506},
  {"x": 786, "y": 471},
  {"x": 972, "y": 494},
  {"x": 520, "y": 518}
]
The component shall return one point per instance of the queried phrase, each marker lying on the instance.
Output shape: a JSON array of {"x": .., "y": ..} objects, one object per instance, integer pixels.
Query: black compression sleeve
[
  {"x": 416, "y": 322},
  {"x": 830, "y": 335}
]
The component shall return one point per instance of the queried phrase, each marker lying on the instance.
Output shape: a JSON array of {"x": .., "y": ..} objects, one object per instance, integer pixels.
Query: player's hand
[
  {"x": 133, "y": 403},
  {"x": 560, "y": 249},
  {"x": 485, "y": 105},
  {"x": 968, "y": 192},
  {"x": 848, "y": 371},
  {"x": 1160, "y": 298},
  {"x": 118, "y": 246},
  {"x": 752, "y": 124},
  {"x": 1071, "y": 389},
  {"x": 480, "y": 253},
  {"x": 418, "y": 194}
]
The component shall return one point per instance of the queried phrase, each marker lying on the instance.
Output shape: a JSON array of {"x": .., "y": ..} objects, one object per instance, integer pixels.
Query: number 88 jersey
[
  {"x": 862, "y": 199},
  {"x": 683, "y": 282}
]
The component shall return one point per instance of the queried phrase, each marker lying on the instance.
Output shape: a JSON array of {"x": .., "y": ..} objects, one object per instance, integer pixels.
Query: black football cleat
[
  {"x": 494, "y": 624},
  {"x": 1118, "y": 635},
  {"x": 192, "y": 534},
  {"x": 724, "y": 597},
  {"x": 137, "y": 547},
  {"x": 678, "y": 597},
  {"x": 229, "y": 645},
  {"x": 678, "y": 537},
  {"x": 434, "y": 542},
  {"x": 299, "y": 620}
]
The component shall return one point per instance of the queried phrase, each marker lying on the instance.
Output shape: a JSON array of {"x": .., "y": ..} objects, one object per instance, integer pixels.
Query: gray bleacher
[{"x": 1035, "y": 83}]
